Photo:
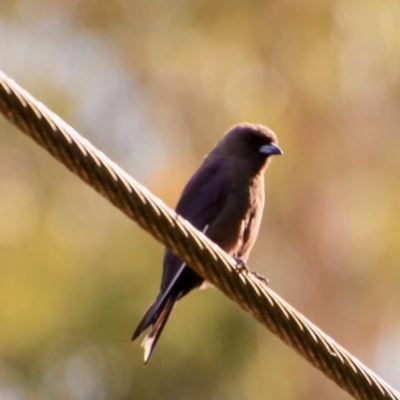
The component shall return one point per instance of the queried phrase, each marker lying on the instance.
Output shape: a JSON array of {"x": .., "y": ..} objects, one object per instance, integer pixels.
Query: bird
[{"x": 225, "y": 200}]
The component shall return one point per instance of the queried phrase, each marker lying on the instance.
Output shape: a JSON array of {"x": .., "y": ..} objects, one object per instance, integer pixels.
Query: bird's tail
[{"x": 156, "y": 317}]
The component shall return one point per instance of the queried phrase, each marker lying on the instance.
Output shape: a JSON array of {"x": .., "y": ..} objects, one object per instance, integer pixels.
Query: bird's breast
[{"x": 236, "y": 227}]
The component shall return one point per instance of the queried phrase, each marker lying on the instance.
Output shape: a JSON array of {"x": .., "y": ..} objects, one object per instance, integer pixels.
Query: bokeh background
[{"x": 155, "y": 84}]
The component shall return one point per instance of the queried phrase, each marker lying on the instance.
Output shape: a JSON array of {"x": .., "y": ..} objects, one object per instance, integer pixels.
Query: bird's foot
[
  {"x": 242, "y": 267},
  {"x": 260, "y": 277}
]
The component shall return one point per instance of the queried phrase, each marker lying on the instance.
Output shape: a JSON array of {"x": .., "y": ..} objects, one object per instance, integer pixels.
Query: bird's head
[{"x": 251, "y": 143}]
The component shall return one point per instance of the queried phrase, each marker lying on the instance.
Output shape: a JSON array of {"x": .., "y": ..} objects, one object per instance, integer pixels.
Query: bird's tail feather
[{"x": 156, "y": 317}]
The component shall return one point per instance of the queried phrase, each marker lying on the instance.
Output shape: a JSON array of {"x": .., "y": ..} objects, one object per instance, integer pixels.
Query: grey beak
[{"x": 270, "y": 149}]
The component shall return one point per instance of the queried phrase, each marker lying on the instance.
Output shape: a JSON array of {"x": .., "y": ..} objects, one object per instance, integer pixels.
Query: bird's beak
[{"x": 270, "y": 149}]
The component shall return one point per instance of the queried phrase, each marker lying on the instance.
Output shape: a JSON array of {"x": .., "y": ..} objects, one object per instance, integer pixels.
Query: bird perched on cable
[{"x": 224, "y": 199}]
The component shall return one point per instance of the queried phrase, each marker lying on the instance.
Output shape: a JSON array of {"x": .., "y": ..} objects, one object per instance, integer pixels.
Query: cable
[{"x": 244, "y": 288}]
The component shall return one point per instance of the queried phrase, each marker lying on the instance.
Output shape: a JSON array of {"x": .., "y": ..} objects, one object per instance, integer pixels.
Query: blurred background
[{"x": 154, "y": 84}]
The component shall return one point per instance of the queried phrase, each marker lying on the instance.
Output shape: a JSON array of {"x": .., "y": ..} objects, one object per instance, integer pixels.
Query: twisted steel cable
[{"x": 244, "y": 288}]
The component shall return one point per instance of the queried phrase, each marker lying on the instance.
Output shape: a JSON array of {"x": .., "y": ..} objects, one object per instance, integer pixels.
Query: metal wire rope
[{"x": 244, "y": 288}]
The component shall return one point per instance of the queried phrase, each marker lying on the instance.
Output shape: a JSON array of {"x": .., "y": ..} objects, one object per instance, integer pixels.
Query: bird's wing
[
  {"x": 205, "y": 194},
  {"x": 201, "y": 201}
]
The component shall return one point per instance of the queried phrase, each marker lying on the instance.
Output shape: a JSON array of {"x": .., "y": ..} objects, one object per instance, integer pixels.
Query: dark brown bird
[{"x": 225, "y": 200}]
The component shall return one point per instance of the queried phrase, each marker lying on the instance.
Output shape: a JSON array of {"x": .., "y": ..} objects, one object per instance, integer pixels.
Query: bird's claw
[
  {"x": 260, "y": 277},
  {"x": 241, "y": 267}
]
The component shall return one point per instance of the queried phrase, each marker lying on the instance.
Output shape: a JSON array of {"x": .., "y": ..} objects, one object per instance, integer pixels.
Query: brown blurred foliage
[{"x": 155, "y": 84}]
